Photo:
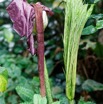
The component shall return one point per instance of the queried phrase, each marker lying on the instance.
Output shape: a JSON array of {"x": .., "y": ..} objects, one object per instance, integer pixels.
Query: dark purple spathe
[{"x": 22, "y": 15}]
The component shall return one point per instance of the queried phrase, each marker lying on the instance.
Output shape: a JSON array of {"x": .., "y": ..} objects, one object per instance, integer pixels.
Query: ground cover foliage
[{"x": 22, "y": 67}]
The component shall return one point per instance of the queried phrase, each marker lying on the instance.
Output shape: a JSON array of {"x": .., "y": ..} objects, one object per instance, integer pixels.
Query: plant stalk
[{"x": 40, "y": 47}]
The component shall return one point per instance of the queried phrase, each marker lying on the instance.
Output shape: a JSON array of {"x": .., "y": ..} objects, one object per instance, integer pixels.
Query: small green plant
[{"x": 76, "y": 15}]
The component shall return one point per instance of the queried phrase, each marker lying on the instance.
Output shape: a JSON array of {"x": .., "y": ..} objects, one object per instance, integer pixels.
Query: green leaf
[
  {"x": 13, "y": 99},
  {"x": 4, "y": 72},
  {"x": 2, "y": 100},
  {"x": 89, "y": 30},
  {"x": 36, "y": 81},
  {"x": 99, "y": 50},
  {"x": 91, "y": 85},
  {"x": 39, "y": 100},
  {"x": 81, "y": 101},
  {"x": 24, "y": 93},
  {"x": 97, "y": 16},
  {"x": 27, "y": 103},
  {"x": 99, "y": 24},
  {"x": 3, "y": 83},
  {"x": 92, "y": 1},
  {"x": 8, "y": 35},
  {"x": 50, "y": 66},
  {"x": 95, "y": 1},
  {"x": 57, "y": 102},
  {"x": 14, "y": 71},
  {"x": 3, "y": 79},
  {"x": 64, "y": 100}
]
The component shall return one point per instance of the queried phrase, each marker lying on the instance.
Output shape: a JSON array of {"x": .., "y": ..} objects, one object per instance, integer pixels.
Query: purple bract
[{"x": 22, "y": 15}]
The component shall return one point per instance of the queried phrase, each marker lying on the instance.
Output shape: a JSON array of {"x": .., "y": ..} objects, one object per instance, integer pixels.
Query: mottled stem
[{"x": 40, "y": 47}]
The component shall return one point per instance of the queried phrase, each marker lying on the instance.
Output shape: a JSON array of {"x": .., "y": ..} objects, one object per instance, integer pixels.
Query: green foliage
[
  {"x": 24, "y": 93},
  {"x": 57, "y": 102},
  {"x": 95, "y": 1},
  {"x": 92, "y": 29},
  {"x": 27, "y": 103},
  {"x": 81, "y": 101},
  {"x": 91, "y": 85},
  {"x": 92, "y": 1},
  {"x": 4, "y": 72},
  {"x": 99, "y": 24},
  {"x": 39, "y": 100},
  {"x": 96, "y": 16},
  {"x": 89, "y": 30},
  {"x": 2, "y": 100},
  {"x": 8, "y": 35},
  {"x": 98, "y": 49}
]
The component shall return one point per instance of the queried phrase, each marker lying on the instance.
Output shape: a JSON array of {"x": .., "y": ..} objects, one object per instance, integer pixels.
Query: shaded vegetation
[{"x": 22, "y": 67}]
